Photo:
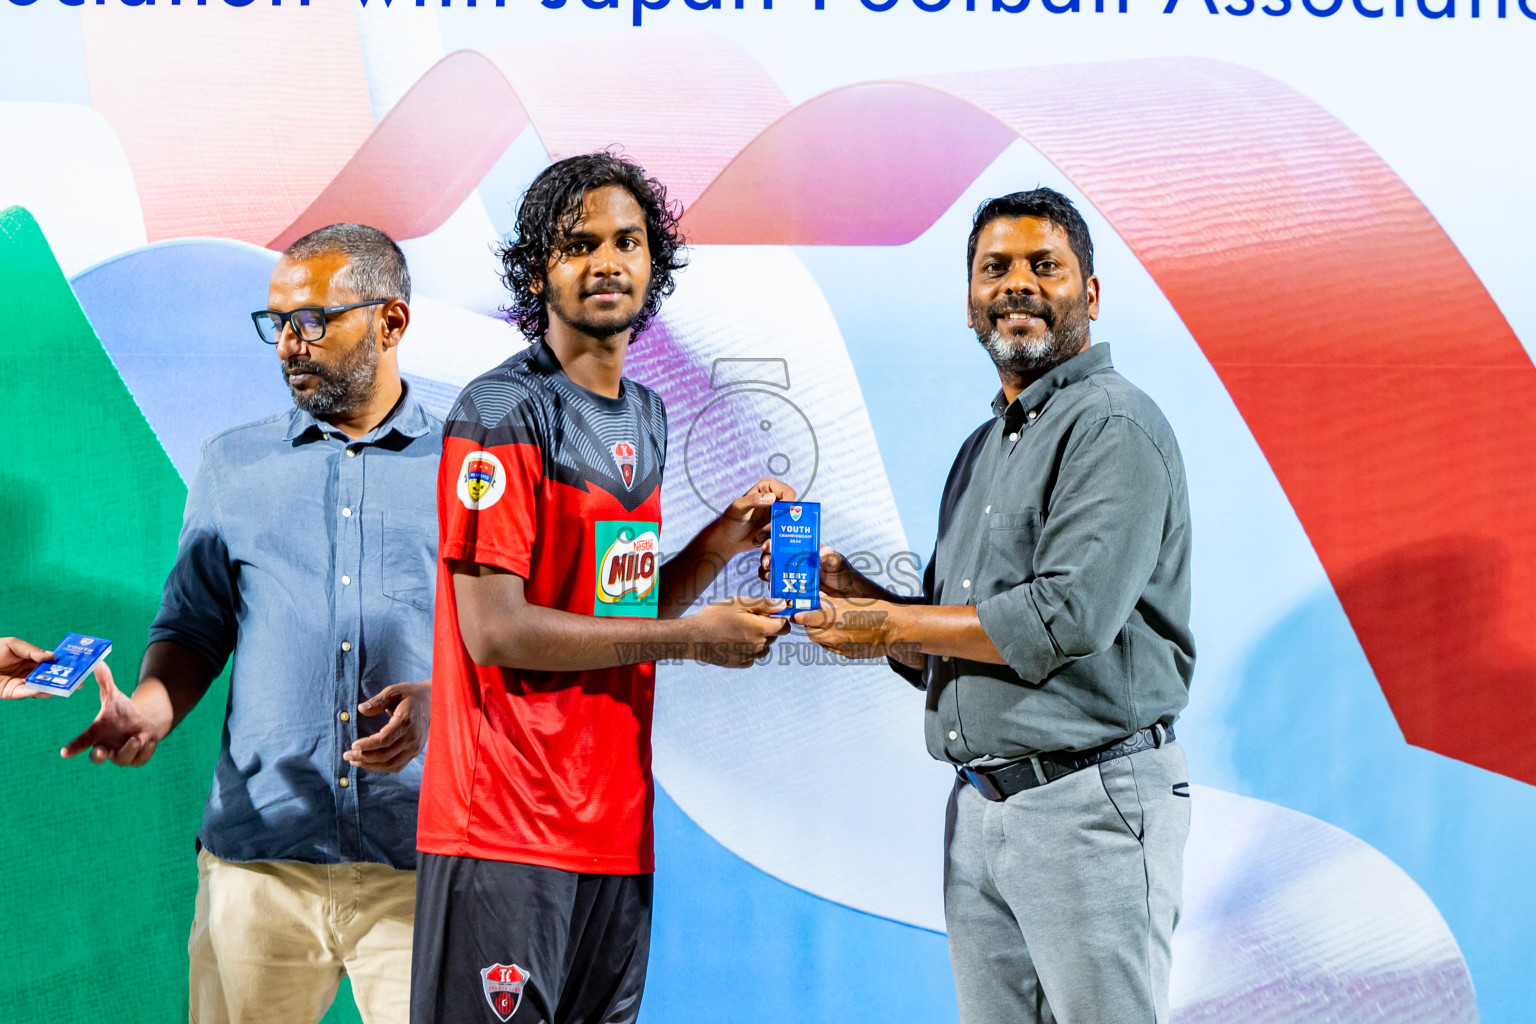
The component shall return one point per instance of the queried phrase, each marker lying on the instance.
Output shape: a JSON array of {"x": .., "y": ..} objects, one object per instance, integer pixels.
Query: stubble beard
[
  {"x": 345, "y": 387},
  {"x": 595, "y": 327},
  {"x": 1023, "y": 358}
]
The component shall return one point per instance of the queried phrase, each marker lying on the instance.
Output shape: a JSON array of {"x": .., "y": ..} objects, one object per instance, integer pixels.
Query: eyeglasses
[{"x": 308, "y": 322}]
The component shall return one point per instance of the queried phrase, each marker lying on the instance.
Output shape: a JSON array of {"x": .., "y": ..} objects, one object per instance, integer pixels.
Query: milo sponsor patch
[{"x": 628, "y": 568}]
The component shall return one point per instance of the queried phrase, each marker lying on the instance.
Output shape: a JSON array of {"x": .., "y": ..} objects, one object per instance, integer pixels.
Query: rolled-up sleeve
[
  {"x": 1097, "y": 549},
  {"x": 197, "y": 606}
]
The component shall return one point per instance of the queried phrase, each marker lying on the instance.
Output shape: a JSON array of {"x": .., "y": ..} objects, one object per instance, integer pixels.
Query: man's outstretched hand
[
  {"x": 122, "y": 732},
  {"x": 392, "y": 747},
  {"x": 17, "y": 658}
]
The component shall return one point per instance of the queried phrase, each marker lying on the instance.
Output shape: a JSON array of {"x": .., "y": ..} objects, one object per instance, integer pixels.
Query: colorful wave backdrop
[{"x": 1337, "y": 329}]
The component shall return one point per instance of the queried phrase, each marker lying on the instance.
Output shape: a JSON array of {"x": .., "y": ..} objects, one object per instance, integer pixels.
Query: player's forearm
[
  {"x": 542, "y": 639},
  {"x": 172, "y": 680},
  {"x": 689, "y": 573}
]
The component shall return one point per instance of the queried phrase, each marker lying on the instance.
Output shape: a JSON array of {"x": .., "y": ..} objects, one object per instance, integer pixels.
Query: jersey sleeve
[{"x": 487, "y": 487}]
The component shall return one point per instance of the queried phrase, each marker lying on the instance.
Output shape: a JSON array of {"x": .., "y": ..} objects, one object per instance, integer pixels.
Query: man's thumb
[
  {"x": 104, "y": 681},
  {"x": 379, "y": 701}
]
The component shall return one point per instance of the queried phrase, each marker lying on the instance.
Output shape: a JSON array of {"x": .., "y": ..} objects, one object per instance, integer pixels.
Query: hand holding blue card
[
  {"x": 73, "y": 659},
  {"x": 17, "y": 659}
]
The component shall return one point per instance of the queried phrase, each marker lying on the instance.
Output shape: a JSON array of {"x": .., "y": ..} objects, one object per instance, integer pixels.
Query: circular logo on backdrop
[{"x": 482, "y": 479}]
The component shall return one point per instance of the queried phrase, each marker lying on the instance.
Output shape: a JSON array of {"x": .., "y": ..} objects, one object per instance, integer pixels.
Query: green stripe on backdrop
[{"x": 97, "y": 870}]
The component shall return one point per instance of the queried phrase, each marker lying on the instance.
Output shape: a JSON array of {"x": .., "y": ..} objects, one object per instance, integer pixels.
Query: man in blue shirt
[{"x": 307, "y": 553}]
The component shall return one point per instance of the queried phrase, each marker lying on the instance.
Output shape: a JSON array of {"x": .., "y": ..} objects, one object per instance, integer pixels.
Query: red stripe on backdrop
[{"x": 682, "y": 110}]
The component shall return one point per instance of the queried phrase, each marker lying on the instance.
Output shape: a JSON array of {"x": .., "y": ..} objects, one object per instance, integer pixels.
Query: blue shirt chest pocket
[{"x": 408, "y": 556}]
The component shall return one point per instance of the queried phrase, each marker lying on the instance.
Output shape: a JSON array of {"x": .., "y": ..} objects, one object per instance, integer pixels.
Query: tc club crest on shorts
[
  {"x": 624, "y": 457},
  {"x": 503, "y": 985},
  {"x": 482, "y": 480}
]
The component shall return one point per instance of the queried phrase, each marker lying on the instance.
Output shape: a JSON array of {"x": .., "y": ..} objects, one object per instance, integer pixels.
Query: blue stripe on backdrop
[
  {"x": 176, "y": 319},
  {"x": 730, "y": 943}
]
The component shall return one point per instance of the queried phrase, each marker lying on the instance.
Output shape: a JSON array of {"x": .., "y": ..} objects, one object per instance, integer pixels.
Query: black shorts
[{"x": 500, "y": 942}]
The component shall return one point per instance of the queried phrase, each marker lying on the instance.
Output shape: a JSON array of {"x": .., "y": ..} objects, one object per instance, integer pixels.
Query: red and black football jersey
[{"x": 562, "y": 486}]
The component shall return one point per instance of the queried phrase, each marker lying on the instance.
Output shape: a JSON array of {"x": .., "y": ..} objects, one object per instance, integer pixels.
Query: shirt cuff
[
  {"x": 1012, "y": 623},
  {"x": 203, "y": 643}
]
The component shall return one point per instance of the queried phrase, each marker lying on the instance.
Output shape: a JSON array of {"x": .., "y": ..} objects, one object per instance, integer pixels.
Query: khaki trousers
[{"x": 271, "y": 941}]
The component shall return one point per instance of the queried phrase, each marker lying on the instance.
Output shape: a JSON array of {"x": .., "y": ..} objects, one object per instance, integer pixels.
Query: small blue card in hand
[
  {"x": 794, "y": 555},
  {"x": 73, "y": 659}
]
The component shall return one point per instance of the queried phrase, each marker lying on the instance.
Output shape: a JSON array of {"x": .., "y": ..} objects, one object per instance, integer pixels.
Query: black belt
[{"x": 1007, "y": 779}]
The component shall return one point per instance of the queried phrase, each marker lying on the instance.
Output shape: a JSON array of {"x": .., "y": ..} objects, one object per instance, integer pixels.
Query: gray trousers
[{"x": 1061, "y": 900}]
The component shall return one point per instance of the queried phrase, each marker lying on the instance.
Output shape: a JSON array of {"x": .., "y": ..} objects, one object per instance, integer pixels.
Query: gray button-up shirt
[
  {"x": 310, "y": 557},
  {"x": 1065, "y": 521}
]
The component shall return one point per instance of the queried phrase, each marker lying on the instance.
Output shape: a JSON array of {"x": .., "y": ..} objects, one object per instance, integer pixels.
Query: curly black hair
[{"x": 550, "y": 209}]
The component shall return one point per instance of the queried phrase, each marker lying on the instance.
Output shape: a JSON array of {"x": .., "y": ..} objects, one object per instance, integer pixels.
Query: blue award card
[
  {"x": 794, "y": 554},
  {"x": 73, "y": 659}
]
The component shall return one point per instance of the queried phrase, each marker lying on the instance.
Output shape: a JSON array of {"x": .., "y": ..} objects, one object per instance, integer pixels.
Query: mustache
[
  {"x": 607, "y": 290},
  {"x": 303, "y": 366},
  {"x": 1022, "y": 304}
]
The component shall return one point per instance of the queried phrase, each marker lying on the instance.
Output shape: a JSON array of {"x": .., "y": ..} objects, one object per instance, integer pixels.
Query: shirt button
[
  {"x": 943, "y": 657},
  {"x": 343, "y": 782},
  {"x": 965, "y": 583},
  {"x": 989, "y": 508},
  {"x": 345, "y": 717},
  {"x": 1032, "y": 415},
  {"x": 347, "y": 512},
  {"x": 346, "y": 581},
  {"x": 346, "y": 645},
  {"x": 952, "y": 735},
  {"x": 351, "y": 452},
  {"x": 1014, "y": 436}
]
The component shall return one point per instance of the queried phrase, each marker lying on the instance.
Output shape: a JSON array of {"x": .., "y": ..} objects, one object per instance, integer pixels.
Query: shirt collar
[
  {"x": 1089, "y": 361},
  {"x": 408, "y": 419},
  {"x": 545, "y": 359}
]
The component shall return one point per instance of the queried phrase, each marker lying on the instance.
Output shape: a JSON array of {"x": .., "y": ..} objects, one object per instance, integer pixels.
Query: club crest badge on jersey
[
  {"x": 503, "y": 985},
  {"x": 628, "y": 568},
  {"x": 482, "y": 479},
  {"x": 624, "y": 457}
]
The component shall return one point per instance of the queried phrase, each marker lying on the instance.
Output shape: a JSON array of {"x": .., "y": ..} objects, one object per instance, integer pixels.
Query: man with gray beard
[
  {"x": 307, "y": 553},
  {"x": 1052, "y": 639}
]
